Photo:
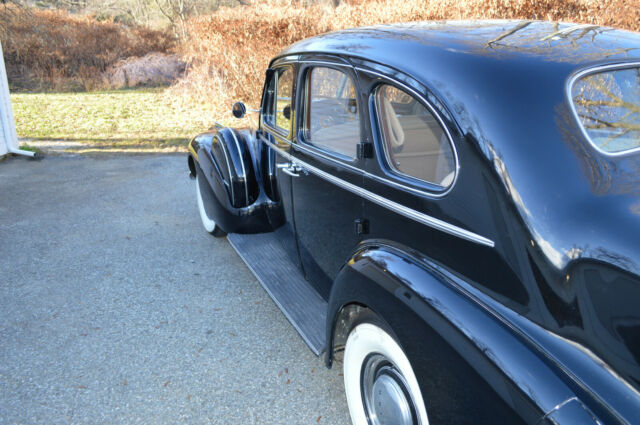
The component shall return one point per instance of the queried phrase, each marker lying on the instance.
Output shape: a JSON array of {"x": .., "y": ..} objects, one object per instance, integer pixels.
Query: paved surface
[{"x": 116, "y": 307}]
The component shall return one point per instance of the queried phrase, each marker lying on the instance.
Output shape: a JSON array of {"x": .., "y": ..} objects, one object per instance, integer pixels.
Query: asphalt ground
[{"x": 117, "y": 307}]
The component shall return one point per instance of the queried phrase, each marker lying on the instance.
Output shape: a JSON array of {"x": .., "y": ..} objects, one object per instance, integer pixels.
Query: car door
[
  {"x": 328, "y": 130},
  {"x": 277, "y": 129}
]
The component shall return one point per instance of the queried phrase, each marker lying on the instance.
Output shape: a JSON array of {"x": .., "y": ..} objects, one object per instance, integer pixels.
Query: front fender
[
  {"x": 471, "y": 364},
  {"x": 231, "y": 189}
]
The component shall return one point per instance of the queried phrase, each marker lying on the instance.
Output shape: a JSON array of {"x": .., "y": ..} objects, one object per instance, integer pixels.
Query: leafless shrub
[{"x": 151, "y": 69}]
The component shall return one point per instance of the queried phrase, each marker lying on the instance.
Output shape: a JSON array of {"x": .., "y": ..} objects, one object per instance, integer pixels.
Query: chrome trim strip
[
  {"x": 386, "y": 203},
  {"x": 244, "y": 171},
  {"x": 569, "y": 88},
  {"x": 233, "y": 197},
  {"x": 318, "y": 152},
  {"x": 314, "y": 62},
  {"x": 436, "y": 114}
]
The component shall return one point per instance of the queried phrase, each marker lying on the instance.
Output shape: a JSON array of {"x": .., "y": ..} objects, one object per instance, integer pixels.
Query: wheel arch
[{"x": 425, "y": 308}]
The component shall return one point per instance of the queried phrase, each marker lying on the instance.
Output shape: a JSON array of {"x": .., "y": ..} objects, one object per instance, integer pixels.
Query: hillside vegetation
[
  {"x": 228, "y": 51},
  {"x": 56, "y": 50}
]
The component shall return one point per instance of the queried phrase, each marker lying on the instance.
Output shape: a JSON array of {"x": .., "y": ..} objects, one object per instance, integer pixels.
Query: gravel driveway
[{"x": 116, "y": 307}]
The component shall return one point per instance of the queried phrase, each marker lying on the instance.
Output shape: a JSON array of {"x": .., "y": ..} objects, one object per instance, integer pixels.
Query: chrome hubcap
[{"x": 386, "y": 398}]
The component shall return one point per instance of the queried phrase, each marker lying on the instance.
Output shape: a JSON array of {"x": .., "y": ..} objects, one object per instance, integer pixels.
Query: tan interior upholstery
[
  {"x": 395, "y": 133},
  {"x": 425, "y": 153}
]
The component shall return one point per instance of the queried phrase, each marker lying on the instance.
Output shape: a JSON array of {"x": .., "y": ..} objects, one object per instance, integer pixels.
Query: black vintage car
[{"x": 453, "y": 210}]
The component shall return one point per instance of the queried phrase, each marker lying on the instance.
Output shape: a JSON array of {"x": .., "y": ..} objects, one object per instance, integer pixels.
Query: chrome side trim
[
  {"x": 233, "y": 197},
  {"x": 244, "y": 171},
  {"x": 386, "y": 203},
  {"x": 436, "y": 114},
  {"x": 569, "y": 88}
]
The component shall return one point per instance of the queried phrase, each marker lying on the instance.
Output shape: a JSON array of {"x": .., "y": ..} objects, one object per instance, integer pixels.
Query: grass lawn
[{"x": 133, "y": 120}]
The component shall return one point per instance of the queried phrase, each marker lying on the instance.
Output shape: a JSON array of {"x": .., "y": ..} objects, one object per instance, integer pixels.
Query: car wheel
[
  {"x": 209, "y": 224},
  {"x": 379, "y": 382}
]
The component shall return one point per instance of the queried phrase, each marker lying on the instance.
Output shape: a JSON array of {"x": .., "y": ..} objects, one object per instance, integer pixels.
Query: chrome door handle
[{"x": 291, "y": 169}]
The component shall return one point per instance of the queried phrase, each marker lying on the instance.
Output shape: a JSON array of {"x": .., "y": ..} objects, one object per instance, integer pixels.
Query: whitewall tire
[
  {"x": 208, "y": 223},
  {"x": 380, "y": 384}
]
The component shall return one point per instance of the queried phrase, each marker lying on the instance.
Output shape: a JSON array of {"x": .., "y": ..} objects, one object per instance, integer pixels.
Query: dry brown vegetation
[
  {"x": 60, "y": 50},
  {"x": 229, "y": 50}
]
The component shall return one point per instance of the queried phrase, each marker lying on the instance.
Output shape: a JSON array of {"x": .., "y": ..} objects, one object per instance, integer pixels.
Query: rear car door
[{"x": 327, "y": 208}]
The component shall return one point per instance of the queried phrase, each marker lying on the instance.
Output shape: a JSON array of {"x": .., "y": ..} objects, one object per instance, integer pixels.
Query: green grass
[
  {"x": 135, "y": 119},
  {"x": 26, "y": 147}
]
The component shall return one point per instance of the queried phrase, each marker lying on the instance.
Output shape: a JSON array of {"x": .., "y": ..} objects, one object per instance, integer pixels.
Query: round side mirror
[
  {"x": 286, "y": 111},
  {"x": 239, "y": 110}
]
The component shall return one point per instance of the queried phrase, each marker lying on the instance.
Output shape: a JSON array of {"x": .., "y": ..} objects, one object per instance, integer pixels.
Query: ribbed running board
[{"x": 284, "y": 282}]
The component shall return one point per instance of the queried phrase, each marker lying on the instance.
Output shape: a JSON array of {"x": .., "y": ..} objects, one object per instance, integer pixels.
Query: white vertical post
[{"x": 8, "y": 136}]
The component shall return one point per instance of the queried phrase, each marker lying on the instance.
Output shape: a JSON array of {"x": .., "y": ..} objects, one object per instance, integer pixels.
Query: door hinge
[
  {"x": 365, "y": 150},
  {"x": 362, "y": 226}
]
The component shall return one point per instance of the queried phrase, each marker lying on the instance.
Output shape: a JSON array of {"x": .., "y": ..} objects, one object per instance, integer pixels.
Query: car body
[{"x": 444, "y": 178}]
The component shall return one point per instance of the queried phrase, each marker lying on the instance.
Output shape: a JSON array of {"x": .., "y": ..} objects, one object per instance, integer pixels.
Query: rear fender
[{"x": 470, "y": 364}]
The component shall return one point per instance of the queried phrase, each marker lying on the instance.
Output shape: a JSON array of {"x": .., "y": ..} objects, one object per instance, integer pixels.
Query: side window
[
  {"x": 415, "y": 143},
  {"x": 331, "y": 111},
  {"x": 607, "y": 105},
  {"x": 277, "y": 110}
]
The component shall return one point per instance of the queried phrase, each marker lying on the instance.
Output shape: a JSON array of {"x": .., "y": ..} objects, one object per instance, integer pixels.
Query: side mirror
[
  {"x": 239, "y": 110},
  {"x": 286, "y": 111}
]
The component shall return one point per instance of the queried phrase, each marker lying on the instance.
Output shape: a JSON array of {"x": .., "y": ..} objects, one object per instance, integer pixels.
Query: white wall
[{"x": 8, "y": 136}]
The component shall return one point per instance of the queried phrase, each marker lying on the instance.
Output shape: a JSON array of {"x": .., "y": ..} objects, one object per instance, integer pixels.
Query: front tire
[
  {"x": 379, "y": 382},
  {"x": 209, "y": 224}
]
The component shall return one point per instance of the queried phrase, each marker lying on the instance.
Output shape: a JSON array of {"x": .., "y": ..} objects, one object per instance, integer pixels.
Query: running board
[{"x": 284, "y": 282}]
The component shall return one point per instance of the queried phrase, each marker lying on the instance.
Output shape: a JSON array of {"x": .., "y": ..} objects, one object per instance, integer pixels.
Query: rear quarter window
[
  {"x": 415, "y": 143},
  {"x": 607, "y": 106}
]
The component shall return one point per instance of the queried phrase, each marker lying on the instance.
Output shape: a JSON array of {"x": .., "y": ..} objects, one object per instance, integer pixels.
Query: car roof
[
  {"x": 504, "y": 83},
  {"x": 576, "y": 45}
]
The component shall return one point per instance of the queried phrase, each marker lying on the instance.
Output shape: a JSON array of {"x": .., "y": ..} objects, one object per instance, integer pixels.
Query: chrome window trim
[
  {"x": 438, "y": 117},
  {"x": 310, "y": 147},
  {"x": 387, "y": 203},
  {"x": 311, "y": 61},
  {"x": 569, "y": 89},
  {"x": 328, "y": 155},
  {"x": 274, "y": 128},
  {"x": 387, "y": 155},
  {"x": 284, "y": 60}
]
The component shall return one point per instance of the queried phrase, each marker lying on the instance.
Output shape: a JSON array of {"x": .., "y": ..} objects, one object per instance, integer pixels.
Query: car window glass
[
  {"x": 331, "y": 117},
  {"x": 283, "y": 99},
  {"x": 415, "y": 143},
  {"x": 608, "y": 108}
]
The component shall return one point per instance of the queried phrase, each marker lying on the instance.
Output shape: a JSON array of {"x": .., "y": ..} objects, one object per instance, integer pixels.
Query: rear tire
[
  {"x": 209, "y": 224},
  {"x": 379, "y": 381}
]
